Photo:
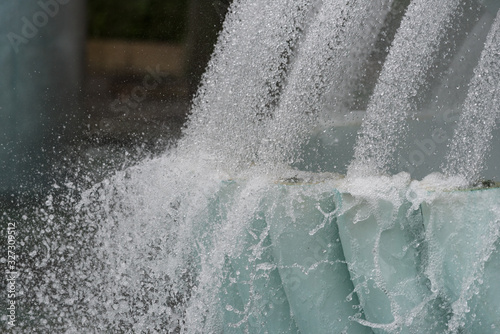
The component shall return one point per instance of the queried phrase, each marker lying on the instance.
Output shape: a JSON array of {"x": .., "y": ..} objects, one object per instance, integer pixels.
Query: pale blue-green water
[{"x": 248, "y": 225}]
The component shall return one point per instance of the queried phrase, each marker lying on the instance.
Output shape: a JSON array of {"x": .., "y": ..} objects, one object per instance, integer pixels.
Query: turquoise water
[{"x": 246, "y": 225}]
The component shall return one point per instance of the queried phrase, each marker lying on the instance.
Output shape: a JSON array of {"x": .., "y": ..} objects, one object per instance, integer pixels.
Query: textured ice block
[
  {"x": 310, "y": 259},
  {"x": 255, "y": 277},
  {"x": 462, "y": 232},
  {"x": 252, "y": 294},
  {"x": 367, "y": 258},
  {"x": 381, "y": 238}
]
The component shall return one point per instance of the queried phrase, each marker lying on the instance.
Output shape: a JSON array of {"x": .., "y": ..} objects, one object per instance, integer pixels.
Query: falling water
[
  {"x": 403, "y": 74},
  {"x": 350, "y": 29},
  {"x": 245, "y": 76},
  {"x": 212, "y": 237},
  {"x": 470, "y": 144}
]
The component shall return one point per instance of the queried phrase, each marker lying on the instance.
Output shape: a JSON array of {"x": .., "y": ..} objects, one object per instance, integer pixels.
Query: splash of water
[{"x": 211, "y": 237}]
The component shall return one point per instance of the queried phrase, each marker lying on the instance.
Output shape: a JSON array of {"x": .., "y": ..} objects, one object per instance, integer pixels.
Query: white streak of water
[
  {"x": 403, "y": 74},
  {"x": 471, "y": 141},
  {"x": 244, "y": 79},
  {"x": 329, "y": 59}
]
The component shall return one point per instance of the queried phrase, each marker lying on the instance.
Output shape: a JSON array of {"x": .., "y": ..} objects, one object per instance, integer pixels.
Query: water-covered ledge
[{"x": 377, "y": 254}]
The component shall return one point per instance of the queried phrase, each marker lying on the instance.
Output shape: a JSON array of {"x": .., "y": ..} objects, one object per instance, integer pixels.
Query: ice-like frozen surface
[{"x": 222, "y": 235}]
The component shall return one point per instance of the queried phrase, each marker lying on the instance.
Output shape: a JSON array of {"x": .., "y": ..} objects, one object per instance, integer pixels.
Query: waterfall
[
  {"x": 330, "y": 58},
  {"x": 480, "y": 115},
  {"x": 404, "y": 73},
  {"x": 236, "y": 229},
  {"x": 244, "y": 79}
]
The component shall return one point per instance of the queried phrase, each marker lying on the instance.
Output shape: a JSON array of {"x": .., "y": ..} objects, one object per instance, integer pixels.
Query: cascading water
[
  {"x": 245, "y": 227},
  {"x": 404, "y": 72},
  {"x": 466, "y": 157},
  {"x": 329, "y": 59}
]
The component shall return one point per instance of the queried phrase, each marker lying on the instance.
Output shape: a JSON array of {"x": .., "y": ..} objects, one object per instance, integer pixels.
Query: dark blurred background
[
  {"x": 89, "y": 80},
  {"x": 161, "y": 20},
  {"x": 129, "y": 38}
]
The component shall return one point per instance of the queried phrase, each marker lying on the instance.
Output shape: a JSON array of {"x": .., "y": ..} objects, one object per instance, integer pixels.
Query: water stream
[{"x": 248, "y": 224}]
